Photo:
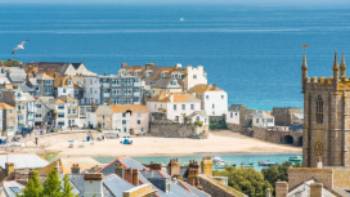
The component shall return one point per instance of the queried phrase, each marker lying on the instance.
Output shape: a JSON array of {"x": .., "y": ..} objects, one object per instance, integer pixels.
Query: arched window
[{"x": 319, "y": 110}]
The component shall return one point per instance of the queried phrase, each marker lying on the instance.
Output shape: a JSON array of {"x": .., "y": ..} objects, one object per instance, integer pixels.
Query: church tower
[{"x": 326, "y": 117}]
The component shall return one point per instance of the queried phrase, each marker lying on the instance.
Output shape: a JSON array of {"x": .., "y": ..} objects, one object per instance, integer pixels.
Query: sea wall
[
  {"x": 294, "y": 138},
  {"x": 170, "y": 129}
]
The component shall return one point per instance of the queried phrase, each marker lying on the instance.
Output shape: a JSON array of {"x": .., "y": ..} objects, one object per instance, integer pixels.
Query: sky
[{"x": 243, "y": 2}]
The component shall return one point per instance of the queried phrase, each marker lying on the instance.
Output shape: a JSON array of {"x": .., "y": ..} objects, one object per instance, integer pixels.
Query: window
[
  {"x": 174, "y": 107},
  {"x": 207, "y": 96},
  {"x": 138, "y": 122},
  {"x": 222, "y": 96},
  {"x": 183, "y": 107},
  {"x": 319, "y": 110},
  {"x": 213, "y": 106},
  {"x": 192, "y": 106},
  {"x": 124, "y": 122}
]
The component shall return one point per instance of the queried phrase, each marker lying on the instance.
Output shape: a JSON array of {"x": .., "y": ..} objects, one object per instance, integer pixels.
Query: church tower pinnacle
[
  {"x": 304, "y": 69},
  {"x": 342, "y": 66},
  {"x": 335, "y": 69}
]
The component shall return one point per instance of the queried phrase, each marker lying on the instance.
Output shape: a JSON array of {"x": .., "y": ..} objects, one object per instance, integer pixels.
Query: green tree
[
  {"x": 33, "y": 187},
  {"x": 277, "y": 172},
  {"x": 246, "y": 180},
  {"x": 67, "y": 187},
  {"x": 52, "y": 184}
]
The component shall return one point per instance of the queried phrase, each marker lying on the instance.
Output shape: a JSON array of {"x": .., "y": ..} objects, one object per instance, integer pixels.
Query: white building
[
  {"x": 125, "y": 119},
  {"x": 175, "y": 106},
  {"x": 233, "y": 117},
  {"x": 43, "y": 111},
  {"x": 67, "y": 113},
  {"x": 195, "y": 76},
  {"x": 262, "y": 119},
  {"x": 64, "y": 86},
  {"x": 214, "y": 100}
]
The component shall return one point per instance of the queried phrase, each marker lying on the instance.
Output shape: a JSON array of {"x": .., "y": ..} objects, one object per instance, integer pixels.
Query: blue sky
[{"x": 247, "y": 2}]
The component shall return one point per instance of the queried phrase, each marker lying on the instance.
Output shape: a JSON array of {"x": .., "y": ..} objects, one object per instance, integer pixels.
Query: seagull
[{"x": 20, "y": 46}]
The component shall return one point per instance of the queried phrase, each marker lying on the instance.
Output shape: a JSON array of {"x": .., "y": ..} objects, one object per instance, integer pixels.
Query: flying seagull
[{"x": 20, "y": 46}]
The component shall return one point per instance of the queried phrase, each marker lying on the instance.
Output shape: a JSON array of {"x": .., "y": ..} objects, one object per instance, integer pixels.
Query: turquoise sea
[
  {"x": 252, "y": 52},
  {"x": 230, "y": 159}
]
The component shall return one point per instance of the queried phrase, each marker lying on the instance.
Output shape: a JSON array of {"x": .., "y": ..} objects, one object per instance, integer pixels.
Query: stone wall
[
  {"x": 215, "y": 188},
  {"x": 297, "y": 176},
  {"x": 275, "y": 136},
  {"x": 166, "y": 128}
]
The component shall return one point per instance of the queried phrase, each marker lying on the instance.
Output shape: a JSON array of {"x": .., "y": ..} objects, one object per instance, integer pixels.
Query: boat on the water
[
  {"x": 295, "y": 159},
  {"x": 266, "y": 163},
  {"x": 218, "y": 161},
  {"x": 247, "y": 165}
]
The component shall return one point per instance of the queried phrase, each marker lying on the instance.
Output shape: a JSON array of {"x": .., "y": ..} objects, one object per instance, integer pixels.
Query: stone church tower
[{"x": 326, "y": 116}]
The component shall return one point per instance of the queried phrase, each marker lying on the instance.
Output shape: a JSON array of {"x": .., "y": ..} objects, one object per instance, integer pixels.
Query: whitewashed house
[
  {"x": 195, "y": 76},
  {"x": 233, "y": 117},
  {"x": 262, "y": 119},
  {"x": 44, "y": 106},
  {"x": 67, "y": 113},
  {"x": 175, "y": 106},
  {"x": 64, "y": 86},
  {"x": 8, "y": 120},
  {"x": 214, "y": 100},
  {"x": 125, "y": 119}
]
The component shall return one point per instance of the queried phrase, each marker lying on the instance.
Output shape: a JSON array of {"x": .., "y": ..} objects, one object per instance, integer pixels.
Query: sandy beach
[{"x": 217, "y": 142}]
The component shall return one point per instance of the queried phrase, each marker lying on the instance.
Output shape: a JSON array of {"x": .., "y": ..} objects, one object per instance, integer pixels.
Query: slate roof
[
  {"x": 177, "y": 188},
  {"x": 23, "y": 161},
  {"x": 12, "y": 188},
  {"x": 116, "y": 185}
]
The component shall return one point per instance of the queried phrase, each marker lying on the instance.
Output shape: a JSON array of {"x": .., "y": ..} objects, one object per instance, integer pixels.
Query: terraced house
[
  {"x": 166, "y": 79},
  {"x": 120, "y": 89}
]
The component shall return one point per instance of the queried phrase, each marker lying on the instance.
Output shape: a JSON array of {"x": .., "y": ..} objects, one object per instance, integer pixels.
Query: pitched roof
[
  {"x": 5, "y": 106},
  {"x": 23, "y": 161},
  {"x": 201, "y": 88},
  {"x": 175, "y": 98},
  {"x": 119, "y": 108},
  {"x": 65, "y": 99}
]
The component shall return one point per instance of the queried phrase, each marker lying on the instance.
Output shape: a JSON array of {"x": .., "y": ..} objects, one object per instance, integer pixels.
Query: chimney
[
  {"x": 316, "y": 190},
  {"x": 93, "y": 185},
  {"x": 132, "y": 176},
  {"x": 193, "y": 172},
  {"x": 207, "y": 166},
  {"x": 10, "y": 168},
  {"x": 119, "y": 170},
  {"x": 135, "y": 177},
  {"x": 174, "y": 168},
  {"x": 281, "y": 189},
  {"x": 75, "y": 169},
  {"x": 127, "y": 175}
]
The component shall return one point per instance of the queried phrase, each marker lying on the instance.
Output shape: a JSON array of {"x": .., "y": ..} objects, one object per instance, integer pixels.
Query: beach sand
[{"x": 217, "y": 142}]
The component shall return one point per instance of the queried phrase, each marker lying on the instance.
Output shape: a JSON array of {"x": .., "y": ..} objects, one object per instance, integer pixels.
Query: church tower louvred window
[{"x": 319, "y": 110}]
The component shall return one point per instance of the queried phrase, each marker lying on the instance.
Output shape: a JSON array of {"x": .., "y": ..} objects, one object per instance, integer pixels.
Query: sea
[
  {"x": 250, "y": 160},
  {"x": 253, "y": 52}
]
